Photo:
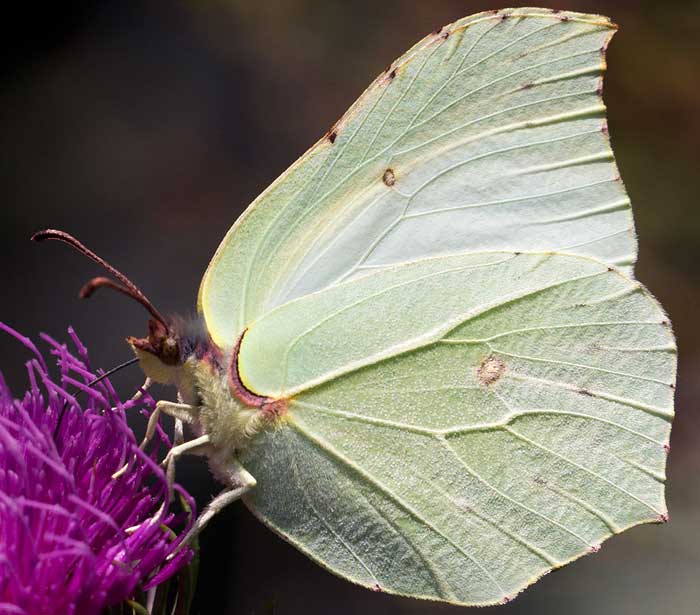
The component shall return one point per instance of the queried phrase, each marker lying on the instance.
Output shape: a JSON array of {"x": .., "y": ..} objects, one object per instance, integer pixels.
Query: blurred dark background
[{"x": 146, "y": 127}]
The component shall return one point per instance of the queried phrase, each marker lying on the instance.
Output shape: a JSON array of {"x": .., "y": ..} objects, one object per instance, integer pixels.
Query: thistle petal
[{"x": 73, "y": 539}]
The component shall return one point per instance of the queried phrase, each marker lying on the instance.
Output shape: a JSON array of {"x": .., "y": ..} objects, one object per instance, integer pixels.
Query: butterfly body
[
  {"x": 216, "y": 404},
  {"x": 225, "y": 417}
]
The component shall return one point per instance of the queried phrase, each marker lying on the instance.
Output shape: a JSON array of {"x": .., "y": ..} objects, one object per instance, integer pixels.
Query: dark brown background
[{"x": 145, "y": 128}]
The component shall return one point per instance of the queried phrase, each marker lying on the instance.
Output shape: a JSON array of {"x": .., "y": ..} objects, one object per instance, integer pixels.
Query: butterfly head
[
  {"x": 169, "y": 347},
  {"x": 159, "y": 353}
]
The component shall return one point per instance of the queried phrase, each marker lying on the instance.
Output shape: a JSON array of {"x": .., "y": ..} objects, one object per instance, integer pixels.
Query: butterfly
[{"x": 422, "y": 357}]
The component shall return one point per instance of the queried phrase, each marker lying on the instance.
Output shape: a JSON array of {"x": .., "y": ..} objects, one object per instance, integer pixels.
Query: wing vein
[
  {"x": 429, "y": 337},
  {"x": 428, "y": 57},
  {"x": 518, "y": 199},
  {"x": 582, "y": 468},
  {"x": 656, "y": 411},
  {"x": 439, "y": 579},
  {"x": 361, "y": 418},
  {"x": 459, "y": 430},
  {"x": 549, "y": 328},
  {"x": 505, "y": 496},
  {"x": 536, "y": 121},
  {"x": 579, "y": 365},
  {"x": 326, "y": 448}
]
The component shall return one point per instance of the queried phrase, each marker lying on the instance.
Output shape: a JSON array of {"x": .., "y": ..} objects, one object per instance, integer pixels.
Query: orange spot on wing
[{"x": 490, "y": 370}]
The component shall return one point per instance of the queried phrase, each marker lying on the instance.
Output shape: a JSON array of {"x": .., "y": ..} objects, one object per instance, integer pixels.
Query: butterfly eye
[
  {"x": 170, "y": 350},
  {"x": 160, "y": 342}
]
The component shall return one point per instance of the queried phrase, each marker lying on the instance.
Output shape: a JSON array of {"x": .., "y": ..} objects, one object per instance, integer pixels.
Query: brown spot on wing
[
  {"x": 388, "y": 75},
  {"x": 490, "y": 370},
  {"x": 389, "y": 178},
  {"x": 506, "y": 599}
]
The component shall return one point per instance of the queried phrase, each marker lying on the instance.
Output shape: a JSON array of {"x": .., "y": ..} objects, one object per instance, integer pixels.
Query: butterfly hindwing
[{"x": 458, "y": 426}]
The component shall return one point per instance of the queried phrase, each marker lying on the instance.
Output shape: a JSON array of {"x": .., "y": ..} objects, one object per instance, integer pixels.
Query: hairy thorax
[
  {"x": 230, "y": 413},
  {"x": 229, "y": 422}
]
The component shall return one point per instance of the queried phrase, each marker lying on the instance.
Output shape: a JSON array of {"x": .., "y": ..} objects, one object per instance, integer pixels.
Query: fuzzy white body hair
[
  {"x": 214, "y": 409},
  {"x": 222, "y": 416},
  {"x": 228, "y": 422}
]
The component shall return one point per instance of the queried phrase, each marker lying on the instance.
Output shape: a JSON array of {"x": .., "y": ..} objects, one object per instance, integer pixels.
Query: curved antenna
[
  {"x": 127, "y": 286},
  {"x": 98, "y": 282}
]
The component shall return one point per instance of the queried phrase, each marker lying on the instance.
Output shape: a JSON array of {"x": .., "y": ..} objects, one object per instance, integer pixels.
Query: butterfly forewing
[{"x": 489, "y": 134}]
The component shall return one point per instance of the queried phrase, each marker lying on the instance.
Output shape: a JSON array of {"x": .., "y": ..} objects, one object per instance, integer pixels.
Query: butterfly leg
[
  {"x": 178, "y": 432},
  {"x": 181, "y": 412},
  {"x": 142, "y": 389},
  {"x": 198, "y": 446},
  {"x": 244, "y": 482},
  {"x": 179, "y": 426}
]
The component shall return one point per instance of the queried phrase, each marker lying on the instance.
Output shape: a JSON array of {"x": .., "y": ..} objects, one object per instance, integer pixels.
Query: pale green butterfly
[{"x": 424, "y": 342}]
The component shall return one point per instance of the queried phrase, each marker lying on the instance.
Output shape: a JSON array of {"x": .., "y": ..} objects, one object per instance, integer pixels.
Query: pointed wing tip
[{"x": 505, "y": 13}]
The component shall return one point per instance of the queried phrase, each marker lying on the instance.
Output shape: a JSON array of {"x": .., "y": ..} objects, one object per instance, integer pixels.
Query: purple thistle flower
[{"x": 75, "y": 539}]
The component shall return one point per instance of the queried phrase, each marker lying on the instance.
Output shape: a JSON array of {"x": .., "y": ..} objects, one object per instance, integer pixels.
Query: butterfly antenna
[
  {"x": 92, "y": 383},
  {"x": 127, "y": 287},
  {"x": 99, "y": 282}
]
